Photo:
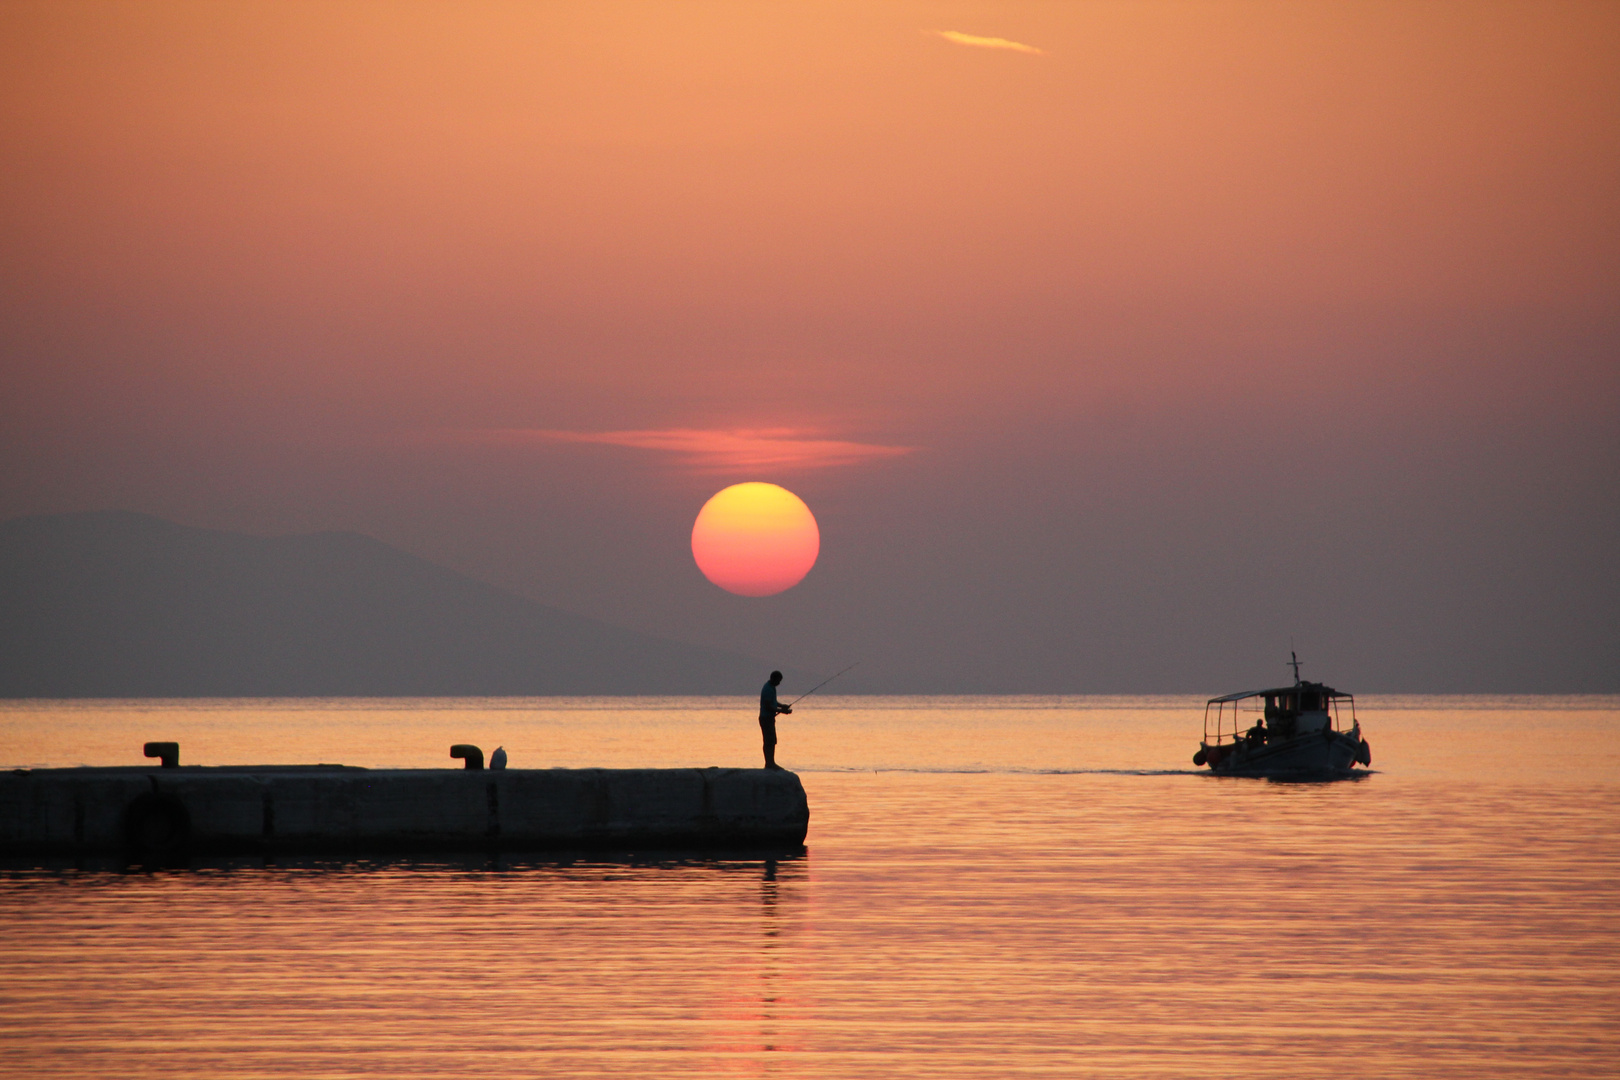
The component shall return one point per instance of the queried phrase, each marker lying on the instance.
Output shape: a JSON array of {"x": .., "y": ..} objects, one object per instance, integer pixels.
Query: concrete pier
[{"x": 163, "y": 814}]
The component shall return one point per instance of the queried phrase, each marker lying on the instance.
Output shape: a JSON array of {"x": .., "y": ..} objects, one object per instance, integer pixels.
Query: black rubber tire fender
[{"x": 157, "y": 828}]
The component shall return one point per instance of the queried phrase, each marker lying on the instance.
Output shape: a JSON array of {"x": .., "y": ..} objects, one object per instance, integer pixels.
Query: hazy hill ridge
[{"x": 116, "y": 604}]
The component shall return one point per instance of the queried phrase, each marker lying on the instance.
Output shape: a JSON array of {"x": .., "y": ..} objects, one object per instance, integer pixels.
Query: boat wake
[{"x": 970, "y": 770}]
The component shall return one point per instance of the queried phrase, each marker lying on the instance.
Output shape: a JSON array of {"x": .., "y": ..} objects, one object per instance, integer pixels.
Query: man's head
[{"x": 776, "y": 678}]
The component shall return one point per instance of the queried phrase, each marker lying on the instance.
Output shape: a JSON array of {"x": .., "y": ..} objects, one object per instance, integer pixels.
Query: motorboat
[{"x": 1304, "y": 731}]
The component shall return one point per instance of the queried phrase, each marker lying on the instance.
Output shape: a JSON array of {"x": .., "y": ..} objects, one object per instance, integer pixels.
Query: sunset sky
[{"x": 1114, "y": 346}]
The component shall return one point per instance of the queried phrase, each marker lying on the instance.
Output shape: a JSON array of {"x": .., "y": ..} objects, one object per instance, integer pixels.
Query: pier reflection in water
[
  {"x": 1451, "y": 915},
  {"x": 395, "y": 967}
]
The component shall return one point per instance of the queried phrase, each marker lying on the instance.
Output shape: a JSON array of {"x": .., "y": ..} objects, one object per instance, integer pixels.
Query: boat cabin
[{"x": 1259, "y": 716}]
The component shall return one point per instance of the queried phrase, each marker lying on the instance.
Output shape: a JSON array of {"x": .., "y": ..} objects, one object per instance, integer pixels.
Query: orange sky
[{"x": 302, "y": 265}]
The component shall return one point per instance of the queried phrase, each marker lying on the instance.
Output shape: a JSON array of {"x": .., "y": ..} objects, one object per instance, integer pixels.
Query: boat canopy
[{"x": 1325, "y": 691}]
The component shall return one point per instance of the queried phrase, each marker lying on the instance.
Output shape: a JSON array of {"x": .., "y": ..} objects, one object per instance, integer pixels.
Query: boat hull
[{"x": 1301, "y": 757}]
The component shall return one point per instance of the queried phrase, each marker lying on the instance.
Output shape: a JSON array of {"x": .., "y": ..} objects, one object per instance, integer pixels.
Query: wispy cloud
[
  {"x": 958, "y": 38},
  {"x": 712, "y": 450}
]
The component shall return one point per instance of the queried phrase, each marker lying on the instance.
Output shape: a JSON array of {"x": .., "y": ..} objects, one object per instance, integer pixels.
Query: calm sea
[{"x": 994, "y": 887}]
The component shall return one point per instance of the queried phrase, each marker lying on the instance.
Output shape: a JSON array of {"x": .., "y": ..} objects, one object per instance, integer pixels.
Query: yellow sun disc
[{"x": 755, "y": 539}]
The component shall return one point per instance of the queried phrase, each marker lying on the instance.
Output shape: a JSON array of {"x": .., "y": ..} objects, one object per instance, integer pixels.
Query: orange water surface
[{"x": 993, "y": 887}]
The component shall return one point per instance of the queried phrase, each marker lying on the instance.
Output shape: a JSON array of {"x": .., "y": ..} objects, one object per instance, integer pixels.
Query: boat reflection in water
[{"x": 1297, "y": 732}]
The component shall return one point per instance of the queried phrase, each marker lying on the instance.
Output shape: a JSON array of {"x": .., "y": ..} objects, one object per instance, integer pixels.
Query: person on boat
[
  {"x": 1256, "y": 736},
  {"x": 769, "y": 709}
]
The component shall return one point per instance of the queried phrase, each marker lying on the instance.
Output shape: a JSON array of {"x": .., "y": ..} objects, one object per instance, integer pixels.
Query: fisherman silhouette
[{"x": 769, "y": 708}]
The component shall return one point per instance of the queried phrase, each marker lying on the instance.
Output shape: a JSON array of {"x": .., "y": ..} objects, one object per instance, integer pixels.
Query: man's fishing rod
[{"x": 820, "y": 684}]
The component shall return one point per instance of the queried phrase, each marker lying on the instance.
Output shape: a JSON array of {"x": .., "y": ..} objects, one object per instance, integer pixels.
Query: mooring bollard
[
  {"x": 474, "y": 756},
  {"x": 169, "y": 752}
]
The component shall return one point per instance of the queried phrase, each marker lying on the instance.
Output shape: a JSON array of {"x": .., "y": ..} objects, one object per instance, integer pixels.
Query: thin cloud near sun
[
  {"x": 714, "y": 450},
  {"x": 956, "y": 37}
]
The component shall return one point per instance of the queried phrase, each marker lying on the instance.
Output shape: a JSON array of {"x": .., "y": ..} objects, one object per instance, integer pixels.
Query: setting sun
[{"x": 755, "y": 539}]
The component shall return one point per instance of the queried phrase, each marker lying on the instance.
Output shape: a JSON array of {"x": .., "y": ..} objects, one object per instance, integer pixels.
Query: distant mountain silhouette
[{"x": 125, "y": 605}]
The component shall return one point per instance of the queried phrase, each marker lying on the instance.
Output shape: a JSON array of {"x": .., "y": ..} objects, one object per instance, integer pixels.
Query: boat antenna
[
  {"x": 820, "y": 684},
  {"x": 1293, "y": 662}
]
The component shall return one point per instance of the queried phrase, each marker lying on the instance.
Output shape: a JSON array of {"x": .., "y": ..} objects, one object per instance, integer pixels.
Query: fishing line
[{"x": 820, "y": 684}]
